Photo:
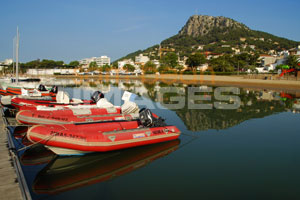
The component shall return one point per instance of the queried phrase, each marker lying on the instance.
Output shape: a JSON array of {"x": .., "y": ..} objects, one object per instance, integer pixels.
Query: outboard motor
[
  {"x": 42, "y": 88},
  {"x": 97, "y": 96},
  {"x": 148, "y": 120},
  {"x": 54, "y": 89}
]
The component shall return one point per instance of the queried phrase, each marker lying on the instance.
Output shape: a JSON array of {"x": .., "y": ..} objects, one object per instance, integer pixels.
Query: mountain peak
[{"x": 200, "y": 25}]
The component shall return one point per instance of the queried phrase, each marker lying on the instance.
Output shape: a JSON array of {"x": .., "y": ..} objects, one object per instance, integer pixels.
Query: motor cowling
[
  {"x": 54, "y": 89},
  {"x": 42, "y": 88},
  {"x": 97, "y": 96},
  {"x": 148, "y": 120}
]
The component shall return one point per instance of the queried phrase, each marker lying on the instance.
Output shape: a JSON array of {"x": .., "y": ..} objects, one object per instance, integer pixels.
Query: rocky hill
[
  {"x": 201, "y": 25},
  {"x": 218, "y": 35}
]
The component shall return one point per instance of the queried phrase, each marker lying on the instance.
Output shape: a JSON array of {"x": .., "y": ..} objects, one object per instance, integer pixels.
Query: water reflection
[
  {"x": 67, "y": 173},
  {"x": 37, "y": 155},
  {"x": 255, "y": 103}
]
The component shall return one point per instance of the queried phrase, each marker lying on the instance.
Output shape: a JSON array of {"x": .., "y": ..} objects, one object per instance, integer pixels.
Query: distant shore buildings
[{"x": 5, "y": 63}]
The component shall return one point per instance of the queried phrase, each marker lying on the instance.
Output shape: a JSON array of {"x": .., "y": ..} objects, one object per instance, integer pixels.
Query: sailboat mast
[
  {"x": 14, "y": 42},
  {"x": 17, "y": 56}
]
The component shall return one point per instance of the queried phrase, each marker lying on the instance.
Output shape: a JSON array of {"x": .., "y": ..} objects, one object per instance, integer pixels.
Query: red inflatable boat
[
  {"x": 3, "y": 92},
  {"x": 41, "y": 90},
  {"x": 101, "y": 137},
  {"x": 78, "y": 114},
  {"x": 70, "y": 116},
  {"x": 62, "y": 99},
  {"x": 19, "y": 102}
]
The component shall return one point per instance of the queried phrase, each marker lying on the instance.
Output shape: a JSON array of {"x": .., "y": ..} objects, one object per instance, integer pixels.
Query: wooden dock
[{"x": 11, "y": 187}]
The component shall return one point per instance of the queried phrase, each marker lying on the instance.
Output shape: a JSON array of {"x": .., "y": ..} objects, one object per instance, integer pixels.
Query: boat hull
[
  {"x": 20, "y": 102},
  {"x": 71, "y": 116},
  {"x": 100, "y": 137}
]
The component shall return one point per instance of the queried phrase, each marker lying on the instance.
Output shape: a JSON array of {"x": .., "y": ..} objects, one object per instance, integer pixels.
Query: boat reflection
[
  {"x": 37, "y": 155},
  {"x": 67, "y": 173}
]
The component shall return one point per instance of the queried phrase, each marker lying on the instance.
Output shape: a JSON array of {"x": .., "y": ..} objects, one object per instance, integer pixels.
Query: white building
[
  {"x": 87, "y": 61},
  {"x": 102, "y": 60},
  {"x": 125, "y": 62},
  {"x": 267, "y": 59},
  {"x": 52, "y": 71},
  {"x": 141, "y": 59},
  {"x": 6, "y": 62},
  {"x": 203, "y": 67}
]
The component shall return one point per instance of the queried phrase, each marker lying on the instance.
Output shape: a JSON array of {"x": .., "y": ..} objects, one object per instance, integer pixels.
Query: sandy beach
[{"x": 239, "y": 81}]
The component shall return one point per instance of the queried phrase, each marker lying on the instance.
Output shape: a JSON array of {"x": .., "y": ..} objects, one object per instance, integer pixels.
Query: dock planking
[{"x": 9, "y": 186}]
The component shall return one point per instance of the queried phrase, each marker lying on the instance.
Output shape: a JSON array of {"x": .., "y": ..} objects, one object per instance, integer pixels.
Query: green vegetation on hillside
[{"x": 185, "y": 44}]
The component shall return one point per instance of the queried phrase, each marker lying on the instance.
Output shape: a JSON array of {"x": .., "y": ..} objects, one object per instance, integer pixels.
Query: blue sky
[{"x": 74, "y": 29}]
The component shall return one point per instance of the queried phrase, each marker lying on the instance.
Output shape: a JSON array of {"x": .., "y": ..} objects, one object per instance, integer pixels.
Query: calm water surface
[{"x": 251, "y": 152}]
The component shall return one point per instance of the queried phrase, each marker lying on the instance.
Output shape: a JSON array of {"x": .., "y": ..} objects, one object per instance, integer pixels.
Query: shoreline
[
  {"x": 212, "y": 80},
  {"x": 243, "y": 81}
]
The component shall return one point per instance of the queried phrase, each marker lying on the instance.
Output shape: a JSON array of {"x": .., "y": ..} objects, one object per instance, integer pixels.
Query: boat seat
[
  {"x": 62, "y": 97},
  {"x": 129, "y": 107},
  {"x": 103, "y": 103}
]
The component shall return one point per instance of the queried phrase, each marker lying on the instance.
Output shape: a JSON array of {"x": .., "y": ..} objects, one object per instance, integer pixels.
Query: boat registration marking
[{"x": 138, "y": 135}]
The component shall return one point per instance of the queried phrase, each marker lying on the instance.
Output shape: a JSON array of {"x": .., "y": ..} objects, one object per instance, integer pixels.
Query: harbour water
[{"x": 250, "y": 151}]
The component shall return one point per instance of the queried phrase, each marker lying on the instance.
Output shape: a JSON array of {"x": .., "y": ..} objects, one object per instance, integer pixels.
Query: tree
[
  {"x": 221, "y": 64},
  {"x": 59, "y": 63},
  {"x": 149, "y": 67},
  {"x": 115, "y": 65},
  {"x": 179, "y": 67},
  {"x": 292, "y": 61},
  {"x": 170, "y": 59},
  {"x": 163, "y": 68},
  {"x": 129, "y": 67},
  {"x": 105, "y": 68},
  {"x": 93, "y": 66},
  {"x": 195, "y": 60},
  {"x": 74, "y": 63}
]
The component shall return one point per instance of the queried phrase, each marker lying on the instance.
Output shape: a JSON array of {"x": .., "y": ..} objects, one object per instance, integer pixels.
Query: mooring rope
[{"x": 34, "y": 143}]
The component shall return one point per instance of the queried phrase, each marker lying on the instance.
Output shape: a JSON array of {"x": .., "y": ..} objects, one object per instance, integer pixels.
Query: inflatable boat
[
  {"x": 62, "y": 99},
  {"x": 3, "y": 92},
  {"x": 103, "y": 136},
  {"x": 40, "y": 91},
  {"x": 40, "y": 94},
  {"x": 78, "y": 114}
]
